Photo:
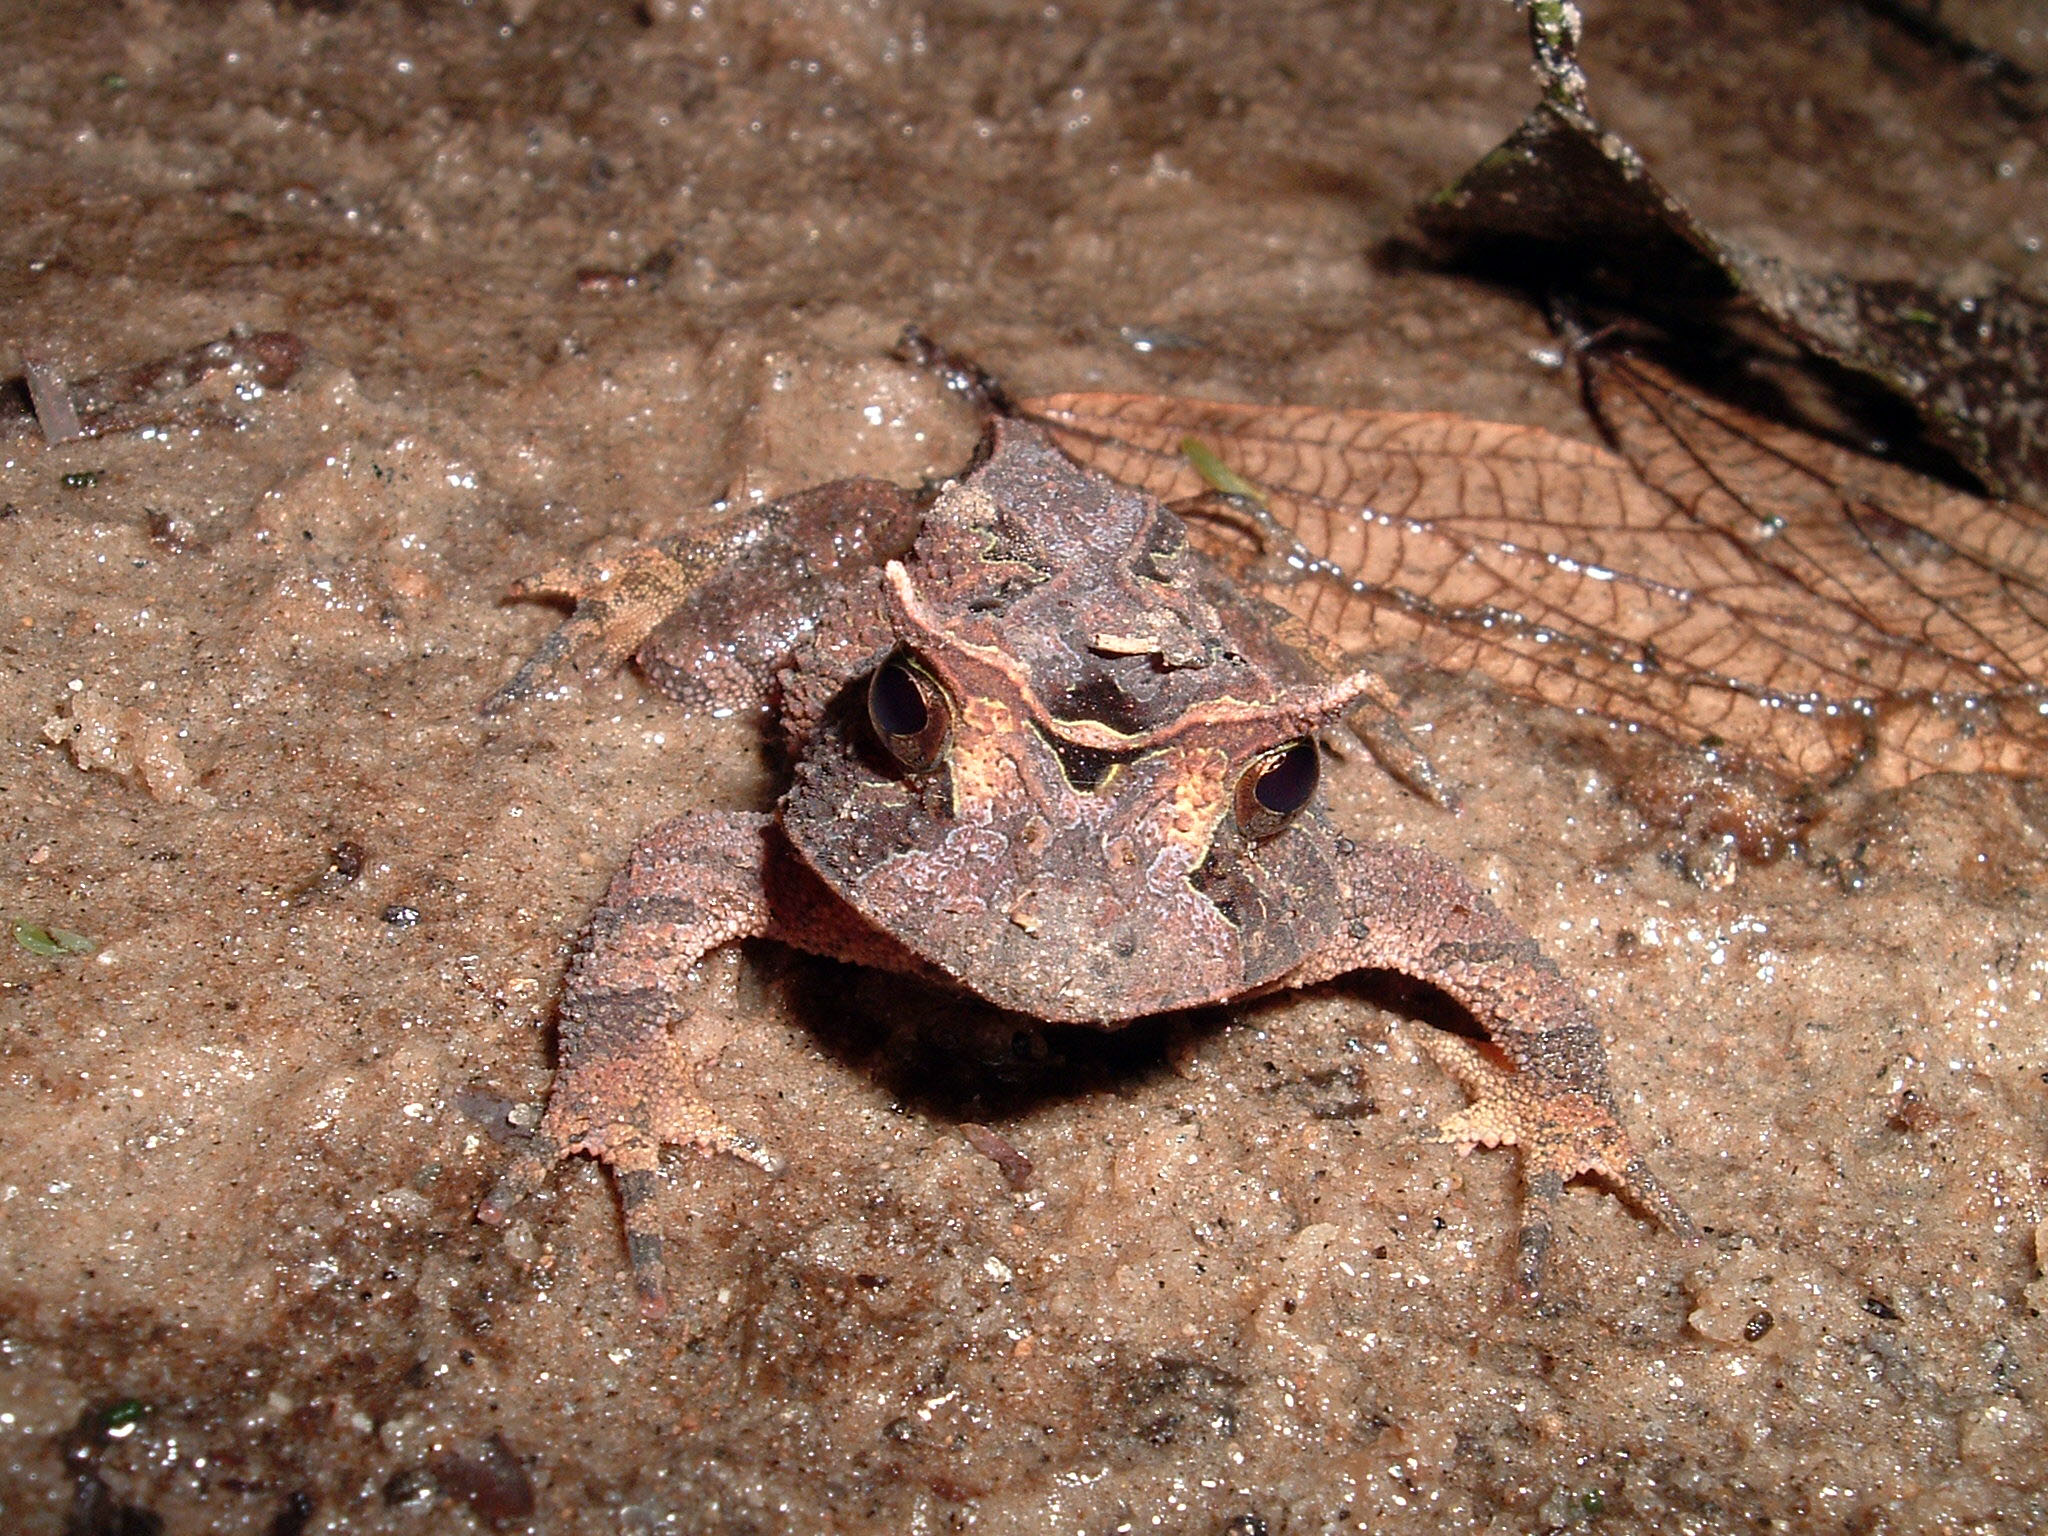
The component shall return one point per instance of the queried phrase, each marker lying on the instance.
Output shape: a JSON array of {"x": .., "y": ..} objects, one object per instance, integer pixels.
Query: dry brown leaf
[
  {"x": 1722, "y": 579},
  {"x": 1566, "y": 206}
]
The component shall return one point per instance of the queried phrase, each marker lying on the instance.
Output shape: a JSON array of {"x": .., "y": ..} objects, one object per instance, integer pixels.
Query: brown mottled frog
[{"x": 1042, "y": 751}]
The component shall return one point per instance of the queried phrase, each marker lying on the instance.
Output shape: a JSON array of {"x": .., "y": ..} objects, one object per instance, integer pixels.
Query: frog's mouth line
[
  {"x": 1087, "y": 770},
  {"x": 1296, "y": 711}
]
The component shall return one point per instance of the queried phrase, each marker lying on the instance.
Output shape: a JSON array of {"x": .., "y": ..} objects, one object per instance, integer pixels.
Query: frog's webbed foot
[
  {"x": 619, "y": 602},
  {"x": 630, "y": 1146},
  {"x": 1561, "y": 1134}
]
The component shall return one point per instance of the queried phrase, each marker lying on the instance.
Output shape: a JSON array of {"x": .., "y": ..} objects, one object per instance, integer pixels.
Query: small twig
[{"x": 51, "y": 396}]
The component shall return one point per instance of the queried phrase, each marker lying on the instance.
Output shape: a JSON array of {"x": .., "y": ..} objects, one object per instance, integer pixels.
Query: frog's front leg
[
  {"x": 1539, "y": 1081},
  {"x": 630, "y": 1042},
  {"x": 712, "y": 620}
]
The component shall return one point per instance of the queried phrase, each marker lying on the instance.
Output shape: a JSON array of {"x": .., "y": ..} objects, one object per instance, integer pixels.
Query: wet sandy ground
[{"x": 240, "y": 1289}]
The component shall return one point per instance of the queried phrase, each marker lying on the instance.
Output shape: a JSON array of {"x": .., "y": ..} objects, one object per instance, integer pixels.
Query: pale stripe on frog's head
[{"x": 969, "y": 667}]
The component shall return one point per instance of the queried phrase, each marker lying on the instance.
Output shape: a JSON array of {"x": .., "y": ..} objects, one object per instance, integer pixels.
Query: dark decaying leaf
[
  {"x": 1566, "y": 204},
  {"x": 1721, "y": 579}
]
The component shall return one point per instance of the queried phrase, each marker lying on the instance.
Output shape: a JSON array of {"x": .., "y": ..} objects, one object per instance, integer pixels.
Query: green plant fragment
[
  {"x": 1220, "y": 475},
  {"x": 51, "y": 943}
]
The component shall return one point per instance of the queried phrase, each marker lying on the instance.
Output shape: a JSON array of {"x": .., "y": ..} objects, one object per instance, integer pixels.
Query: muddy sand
[{"x": 569, "y": 273}]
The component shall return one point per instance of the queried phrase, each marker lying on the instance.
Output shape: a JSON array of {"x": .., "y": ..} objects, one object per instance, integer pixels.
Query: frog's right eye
[
  {"x": 909, "y": 713},
  {"x": 1277, "y": 787}
]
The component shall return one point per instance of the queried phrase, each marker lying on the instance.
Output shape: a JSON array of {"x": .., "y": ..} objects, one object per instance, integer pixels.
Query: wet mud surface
[{"x": 576, "y": 273}]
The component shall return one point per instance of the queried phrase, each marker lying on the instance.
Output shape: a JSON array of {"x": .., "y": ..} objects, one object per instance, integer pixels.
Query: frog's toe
[
  {"x": 527, "y": 1171},
  {"x": 644, "y": 1249},
  {"x": 748, "y": 1150},
  {"x": 634, "y": 1159},
  {"x": 687, "y": 1121}
]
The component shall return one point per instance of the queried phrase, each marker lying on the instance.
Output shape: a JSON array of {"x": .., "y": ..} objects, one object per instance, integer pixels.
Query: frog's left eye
[
  {"x": 1275, "y": 787},
  {"x": 909, "y": 713}
]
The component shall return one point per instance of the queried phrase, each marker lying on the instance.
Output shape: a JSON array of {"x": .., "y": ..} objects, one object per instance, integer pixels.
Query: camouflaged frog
[{"x": 1043, "y": 752}]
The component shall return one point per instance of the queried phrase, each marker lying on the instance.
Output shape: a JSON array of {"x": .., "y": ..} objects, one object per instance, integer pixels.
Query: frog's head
[{"x": 1066, "y": 786}]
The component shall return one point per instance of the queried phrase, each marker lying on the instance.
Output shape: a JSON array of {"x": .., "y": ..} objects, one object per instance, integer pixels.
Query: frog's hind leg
[{"x": 713, "y": 620}]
